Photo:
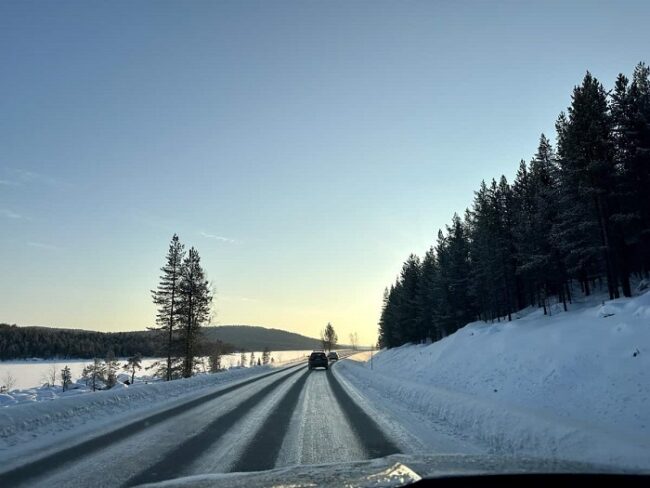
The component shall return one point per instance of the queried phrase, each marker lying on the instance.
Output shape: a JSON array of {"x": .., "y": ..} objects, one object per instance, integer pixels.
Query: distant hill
[
  {"x": 49, "y": 342},
  {"x": 253, "y": 338}
]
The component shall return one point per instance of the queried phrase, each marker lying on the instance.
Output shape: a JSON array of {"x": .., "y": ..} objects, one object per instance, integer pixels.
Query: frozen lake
[{"x": 35, "y": 372}]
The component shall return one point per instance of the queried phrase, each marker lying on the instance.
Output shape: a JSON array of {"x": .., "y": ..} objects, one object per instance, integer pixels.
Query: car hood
[{"x": 390, "y": 471}]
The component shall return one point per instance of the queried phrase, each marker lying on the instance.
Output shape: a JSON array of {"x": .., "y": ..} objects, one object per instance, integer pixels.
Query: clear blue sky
[{"x": 305, "y": 148}]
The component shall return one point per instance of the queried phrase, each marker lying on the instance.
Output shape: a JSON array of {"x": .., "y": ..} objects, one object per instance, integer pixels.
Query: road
[{"x": 288, "y": 417}]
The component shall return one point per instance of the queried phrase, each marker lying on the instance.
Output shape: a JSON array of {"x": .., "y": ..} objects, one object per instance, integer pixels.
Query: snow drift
[{"x": 571, "y": 385}]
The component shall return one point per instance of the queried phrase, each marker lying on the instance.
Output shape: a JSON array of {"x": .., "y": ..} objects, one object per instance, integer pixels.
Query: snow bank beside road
[
  {"x": 572, "y": 386},
  {"x": 40, "y": 421}
]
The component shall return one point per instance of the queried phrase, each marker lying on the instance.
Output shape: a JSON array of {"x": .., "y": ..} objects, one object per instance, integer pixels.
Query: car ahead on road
[
  {"x": 318, "y": 359},
  {"x": 333, "y": 356}
]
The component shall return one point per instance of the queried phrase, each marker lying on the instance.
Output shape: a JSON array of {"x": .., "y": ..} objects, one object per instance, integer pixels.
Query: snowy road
[{"x": 287, "y": 417}]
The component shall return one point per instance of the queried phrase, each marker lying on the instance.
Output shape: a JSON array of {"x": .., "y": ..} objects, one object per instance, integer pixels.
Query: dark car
[
  {"x": 318, "y": 360},
  {"x": 333, "y": 356}
]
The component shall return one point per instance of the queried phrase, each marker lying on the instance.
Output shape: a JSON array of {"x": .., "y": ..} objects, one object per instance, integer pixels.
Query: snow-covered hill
[{"x": 573, "y": 385}]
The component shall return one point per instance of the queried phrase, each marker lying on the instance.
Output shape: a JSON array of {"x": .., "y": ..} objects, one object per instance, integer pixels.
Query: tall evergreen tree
[
  {"x": 167, "y": 298},
  {"x": 194, "y": 305},
  {"x": 630, "y": 109},
  {"x": 586, "y": 150},
  {"x": 407, "y": 299},
  {"x": 452, "y": 251},
  {"x": 427, "y": 299}
]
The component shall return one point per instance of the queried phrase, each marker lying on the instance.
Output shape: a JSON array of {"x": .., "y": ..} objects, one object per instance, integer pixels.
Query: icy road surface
[{"x": 288, "y": 417}]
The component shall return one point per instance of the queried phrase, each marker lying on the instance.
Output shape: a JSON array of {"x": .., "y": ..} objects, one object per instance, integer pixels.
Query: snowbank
[
  {"x": 30, "y": 374},
  {"x": 572, "y": 386},
  {"x": 76, "y": 414}
]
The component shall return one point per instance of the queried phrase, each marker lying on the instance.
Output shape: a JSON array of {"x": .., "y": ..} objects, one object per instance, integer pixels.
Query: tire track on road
[
  {"x": 262, "y": 452},
  {"x": 177, "y": 462},
  {"x": 368, "y": 432}
]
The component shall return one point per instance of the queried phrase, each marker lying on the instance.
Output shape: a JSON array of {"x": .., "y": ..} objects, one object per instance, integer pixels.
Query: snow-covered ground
[
  {"x": 28, "y": 376},
  {"x": 574, "y": 385},
  {"x": 30, "y": 425}
]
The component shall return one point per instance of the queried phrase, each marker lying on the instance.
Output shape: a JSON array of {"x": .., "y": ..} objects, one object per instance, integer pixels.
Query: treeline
[
  {"x": 51, "y": 343},
  {"x": 576, "y": 213}
]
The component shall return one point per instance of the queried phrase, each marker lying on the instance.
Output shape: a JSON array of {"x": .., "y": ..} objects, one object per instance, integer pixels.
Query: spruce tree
[
  {"x": 585, "y": 146},
  {"x": 111, "y": 366},
  {"x": 407, "y": 299},
  {"x": 266, "y": 356},
  {"x": 426, "y": 298},
  {"x": 630, "y": 109},
  {"x": 214, "y": 360},
  {"x": 66, "y": 378}
]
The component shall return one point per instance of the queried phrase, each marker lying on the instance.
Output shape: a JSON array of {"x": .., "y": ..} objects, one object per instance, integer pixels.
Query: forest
[
  {"x": 576, "y": 215},
  {"x": 52, "y": 343}
]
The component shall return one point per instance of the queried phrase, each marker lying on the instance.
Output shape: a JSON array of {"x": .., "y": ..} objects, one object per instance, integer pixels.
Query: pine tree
[
  {"x": 266, "y": 356},
  {"x": 195, "y": 300},
  {"x": 242, "y": 359},
  {"x": 630, "y": 109},
  {"x": 453, "y": 256},
  {"x": 386, "y": 322},
  {"x": 66, "y": 378},
  {"x": 585, "y": 146},
  {"x": 427, "y": 299},
  {"x": 330, "y": 337},
  {"x": 167, "y": 297},
  {"x": 111, "y": 366},
  {"x": 505, "y": 238},
  {"x": 252, "y": 359},
  {"x": 406, "y": 295},
  {"x": 94, "y": 375},
  {"x": 132, "y": 364},
  {"x": 539, "y": 263},
  {"x": 214, "y": 359}
]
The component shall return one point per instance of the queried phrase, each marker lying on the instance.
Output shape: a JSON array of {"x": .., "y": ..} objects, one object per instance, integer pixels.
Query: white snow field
[
  {"x": 28, "y": 422},
  {"x": 28, "y": 425},
  {"x": 574, "y": 385},
  {"x": 32, "y": 374}
]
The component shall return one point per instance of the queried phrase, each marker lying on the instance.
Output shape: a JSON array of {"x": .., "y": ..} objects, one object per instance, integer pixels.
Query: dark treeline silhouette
[
  {"x": 576, "y": 214},
  {"x": 254, "y": 338},
  {"x": 50, "y": 343},
  {"x": 47, "y": 343}
]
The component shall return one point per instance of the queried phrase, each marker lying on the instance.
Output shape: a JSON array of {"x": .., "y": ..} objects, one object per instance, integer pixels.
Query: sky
[{"x": 304, "y": 148}]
